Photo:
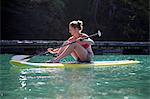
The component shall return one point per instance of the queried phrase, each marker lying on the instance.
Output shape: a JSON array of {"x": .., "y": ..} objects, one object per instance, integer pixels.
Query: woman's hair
[{"x": 77, "y": 24}]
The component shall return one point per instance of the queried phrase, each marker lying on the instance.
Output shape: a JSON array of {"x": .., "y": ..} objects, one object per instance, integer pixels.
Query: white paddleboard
[{"x": 73, "y": 65}]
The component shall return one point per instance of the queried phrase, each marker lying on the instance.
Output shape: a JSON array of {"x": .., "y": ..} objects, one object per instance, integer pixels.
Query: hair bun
[
  {"x": 80, "y": 23},
  {"x": 77, "y": 24}
]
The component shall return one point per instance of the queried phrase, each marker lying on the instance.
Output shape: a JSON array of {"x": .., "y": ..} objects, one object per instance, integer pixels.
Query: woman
[{"x": 80, "y": 50}]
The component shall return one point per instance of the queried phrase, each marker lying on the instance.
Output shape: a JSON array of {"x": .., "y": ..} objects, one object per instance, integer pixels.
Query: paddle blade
[
  {"x": 20, "y": 57},
  {"x": 27, "y": 57}
]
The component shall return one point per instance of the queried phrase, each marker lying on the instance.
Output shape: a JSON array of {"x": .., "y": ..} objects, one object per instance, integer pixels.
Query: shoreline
[{"x": 100, "y": 47}]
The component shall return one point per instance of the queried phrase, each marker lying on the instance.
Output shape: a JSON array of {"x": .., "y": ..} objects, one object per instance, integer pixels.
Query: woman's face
[{"x": 73, "y": 30}]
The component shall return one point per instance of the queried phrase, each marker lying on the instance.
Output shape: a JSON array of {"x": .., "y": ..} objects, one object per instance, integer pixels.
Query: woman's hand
[
  {"x": 50, "y": 50},
  {"x": 53, "y": 51}
]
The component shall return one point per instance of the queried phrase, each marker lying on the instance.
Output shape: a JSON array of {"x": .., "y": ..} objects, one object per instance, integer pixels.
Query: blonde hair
[{"x": 77, "y": 24}]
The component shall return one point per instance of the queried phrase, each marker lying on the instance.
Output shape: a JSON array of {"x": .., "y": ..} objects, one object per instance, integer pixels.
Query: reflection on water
[
  {"x": 60, "y": 83},
  {"x": 79, "y": 84},
  {"x": 84, "y": 83}
]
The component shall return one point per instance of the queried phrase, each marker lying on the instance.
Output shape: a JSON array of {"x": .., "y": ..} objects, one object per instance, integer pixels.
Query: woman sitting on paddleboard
[{"x": 80, "y": 50}]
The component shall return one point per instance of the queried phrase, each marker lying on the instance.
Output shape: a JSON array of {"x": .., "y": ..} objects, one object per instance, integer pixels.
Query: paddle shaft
[
  {"x": 79, "y": 39},
  {"x": 99, "y": 34}
]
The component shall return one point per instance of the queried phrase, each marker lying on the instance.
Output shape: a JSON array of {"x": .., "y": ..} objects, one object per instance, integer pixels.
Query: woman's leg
[
  {"x": 74, "y": 55},
  {"x": 62, "y": 48},
  {"x": 80, "y": 52}
]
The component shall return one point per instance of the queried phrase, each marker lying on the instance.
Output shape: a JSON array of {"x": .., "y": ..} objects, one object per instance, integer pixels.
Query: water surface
[{"x": 127, "y": 82}]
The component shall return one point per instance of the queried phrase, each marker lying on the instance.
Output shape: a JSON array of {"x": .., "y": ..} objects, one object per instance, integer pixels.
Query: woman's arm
[
  {"x": 53, "y": 51},
  {"x": 88, "y": 41},
  {"x": 60, "y": 50}
]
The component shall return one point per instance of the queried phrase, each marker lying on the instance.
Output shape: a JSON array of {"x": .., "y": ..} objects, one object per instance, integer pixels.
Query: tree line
[{"x": 119, "y": 20}]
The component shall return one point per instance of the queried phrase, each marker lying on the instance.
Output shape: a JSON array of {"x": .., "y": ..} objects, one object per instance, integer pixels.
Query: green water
[{"x": 127, "y": 82}]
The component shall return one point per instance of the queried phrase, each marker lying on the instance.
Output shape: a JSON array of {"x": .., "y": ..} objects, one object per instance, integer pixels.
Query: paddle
[
  {"x": 43, "y": 53},
  {"x": 19, "y": 57}
]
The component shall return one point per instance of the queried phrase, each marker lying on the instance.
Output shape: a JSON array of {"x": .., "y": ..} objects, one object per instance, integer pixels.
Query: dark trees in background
[{"x": 119, "y": 20}]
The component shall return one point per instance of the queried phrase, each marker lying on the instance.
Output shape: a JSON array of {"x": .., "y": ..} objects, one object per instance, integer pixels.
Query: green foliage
[
  {"x": 125, "y": 20},
  {"x": 119, "y": 20}
]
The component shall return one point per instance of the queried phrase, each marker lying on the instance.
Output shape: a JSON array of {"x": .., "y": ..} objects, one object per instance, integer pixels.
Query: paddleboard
[{"x": 73, "y": 65}]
